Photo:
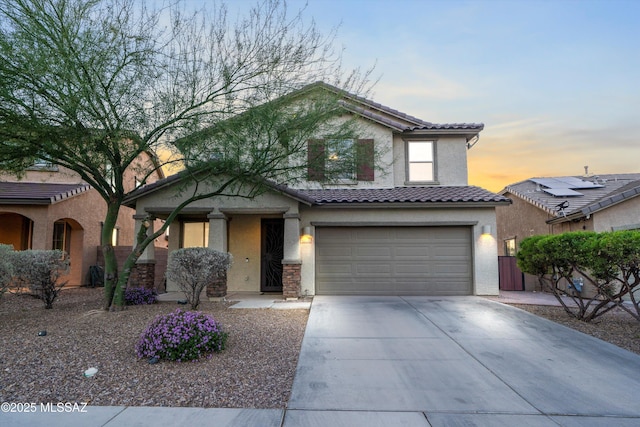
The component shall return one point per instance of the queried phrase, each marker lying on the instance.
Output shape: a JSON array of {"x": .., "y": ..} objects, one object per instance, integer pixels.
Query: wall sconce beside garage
[{"x": 306, "y": 236}]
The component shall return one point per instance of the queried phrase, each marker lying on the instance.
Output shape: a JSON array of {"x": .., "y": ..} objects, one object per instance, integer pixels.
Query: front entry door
[{"x": 271, "y": 256}]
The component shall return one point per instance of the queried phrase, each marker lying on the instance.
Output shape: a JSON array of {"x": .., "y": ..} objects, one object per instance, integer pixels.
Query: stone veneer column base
[
  {"x": 143, "y": 275},
  {"x": 291, "y": 278},
  {"x": 217, "y": 289}
]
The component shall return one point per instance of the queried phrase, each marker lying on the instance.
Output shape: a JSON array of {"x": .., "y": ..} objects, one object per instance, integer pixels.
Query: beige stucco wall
[
  {"x": 623, "y": 215},
  {"x": 450, "y": 159},
  {"x": 385, "y": 161},
  {"x": 244, "y": 245},
  {"x": 243, "y": 225},
  {"x": 519, "y": 220}
]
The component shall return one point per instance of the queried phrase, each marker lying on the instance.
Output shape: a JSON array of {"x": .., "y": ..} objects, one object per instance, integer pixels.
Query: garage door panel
[
  {"x": 393, "y": 260},
  {"x": 366, "y": 252}
]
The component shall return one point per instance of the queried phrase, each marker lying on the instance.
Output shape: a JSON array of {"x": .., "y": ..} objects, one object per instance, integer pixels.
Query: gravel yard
[{"x": 255, "y": 371}]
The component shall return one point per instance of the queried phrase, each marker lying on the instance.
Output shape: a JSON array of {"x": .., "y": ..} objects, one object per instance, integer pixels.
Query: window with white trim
[{"x": 420, "y": 161}]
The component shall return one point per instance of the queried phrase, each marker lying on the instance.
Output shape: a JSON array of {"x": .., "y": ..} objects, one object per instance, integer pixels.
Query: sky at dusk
[{"x": 556, "y": 83}]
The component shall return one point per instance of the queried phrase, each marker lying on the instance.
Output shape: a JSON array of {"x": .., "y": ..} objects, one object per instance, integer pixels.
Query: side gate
[{"x": 511, "y": 277}]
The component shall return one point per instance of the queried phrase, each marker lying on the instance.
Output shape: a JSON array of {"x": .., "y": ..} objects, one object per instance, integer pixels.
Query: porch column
[
  {"x": 218, "y": 231},
  {"x": 291, "y": 261},
  {"x": 217, "y": 290},
  {"x": 144, "y": 273}
]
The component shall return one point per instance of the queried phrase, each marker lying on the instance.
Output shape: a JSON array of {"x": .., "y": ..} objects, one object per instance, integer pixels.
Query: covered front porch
[{"x": 262, "y": 235}]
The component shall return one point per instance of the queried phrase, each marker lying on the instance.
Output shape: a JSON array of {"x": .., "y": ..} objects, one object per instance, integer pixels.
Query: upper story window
[
  {"x": 340, "y": 159},
  {"x": 43, "y": 165},
  {"x": 420, "y": 161}
]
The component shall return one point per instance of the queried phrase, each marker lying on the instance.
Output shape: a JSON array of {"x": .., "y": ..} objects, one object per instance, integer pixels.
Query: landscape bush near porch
[{"x": 193, "y": 269}]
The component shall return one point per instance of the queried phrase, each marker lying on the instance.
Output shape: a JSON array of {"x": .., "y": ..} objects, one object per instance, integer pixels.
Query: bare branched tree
[{"x": 91, "y": 85}]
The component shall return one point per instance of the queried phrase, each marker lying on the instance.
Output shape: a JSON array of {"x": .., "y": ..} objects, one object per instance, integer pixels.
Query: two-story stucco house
[{"x": 415, "y": 228}]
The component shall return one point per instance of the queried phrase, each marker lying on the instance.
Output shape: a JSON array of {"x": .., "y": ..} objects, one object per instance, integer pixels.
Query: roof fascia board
[
  {"x": 23, "y": 201},
  {"x": 409, "y": 205},
  {"x": 393, "y": 223},
  {"x": 528, "y": 200}
]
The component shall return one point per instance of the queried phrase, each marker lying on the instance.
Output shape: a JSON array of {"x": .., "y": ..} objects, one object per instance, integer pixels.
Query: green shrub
[
  {"x": 609, "y": 262},
  {"x": 181, "y": 336}
]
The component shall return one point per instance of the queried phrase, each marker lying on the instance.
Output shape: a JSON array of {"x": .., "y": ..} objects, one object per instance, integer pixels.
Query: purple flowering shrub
[
  {"x": 181, "y": 336},
  {"x": 140, "y": 296}
]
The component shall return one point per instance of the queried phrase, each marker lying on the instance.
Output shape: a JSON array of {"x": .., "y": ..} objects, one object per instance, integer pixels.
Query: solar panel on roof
[
  {"x": 578, "y": 184},
  {"x": 564, "y": 186},
  {"x": 552, "y": 183},
  {"x": 561, "y": 192}
]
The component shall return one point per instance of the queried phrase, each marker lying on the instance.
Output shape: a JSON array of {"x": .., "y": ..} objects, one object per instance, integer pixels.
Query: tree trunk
[
  {"x": 142, "y": 240},
  {"x": 110, "y": 262}
]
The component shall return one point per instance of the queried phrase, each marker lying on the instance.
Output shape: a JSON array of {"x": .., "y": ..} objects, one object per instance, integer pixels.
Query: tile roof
[
  {"x": 436, "y": 194},
  {"x": 615, "y": 188},
  {"x": 390, "y": 117},
  {"x": 38, "y": 193}
]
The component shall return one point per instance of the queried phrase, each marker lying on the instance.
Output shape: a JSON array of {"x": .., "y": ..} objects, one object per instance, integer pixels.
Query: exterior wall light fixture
[
  {"x": 306, "y": 236},
  {"x": 486, "y": 230}
]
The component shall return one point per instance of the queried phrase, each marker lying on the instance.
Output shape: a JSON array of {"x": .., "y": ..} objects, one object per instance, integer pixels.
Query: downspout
[{"x": 473, "y": 141}]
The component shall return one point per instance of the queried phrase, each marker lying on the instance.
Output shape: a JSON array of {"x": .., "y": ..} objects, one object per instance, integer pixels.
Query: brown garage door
[{"x": 393, "y": 261}]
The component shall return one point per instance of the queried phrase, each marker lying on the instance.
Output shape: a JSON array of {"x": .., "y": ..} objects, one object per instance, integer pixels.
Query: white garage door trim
[{"x": 396, "y": 260}]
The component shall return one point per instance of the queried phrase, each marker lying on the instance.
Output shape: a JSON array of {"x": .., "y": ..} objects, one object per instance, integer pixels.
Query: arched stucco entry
[
  {"x": 16, "y": 230},
  {"x": 68, "y": 235}
]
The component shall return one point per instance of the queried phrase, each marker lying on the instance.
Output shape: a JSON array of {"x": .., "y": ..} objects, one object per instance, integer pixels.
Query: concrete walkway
[{"x": 422, "y": 361}]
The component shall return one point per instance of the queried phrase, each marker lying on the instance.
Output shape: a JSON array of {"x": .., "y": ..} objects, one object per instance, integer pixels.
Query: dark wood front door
[{"x": 271, "y": 256}]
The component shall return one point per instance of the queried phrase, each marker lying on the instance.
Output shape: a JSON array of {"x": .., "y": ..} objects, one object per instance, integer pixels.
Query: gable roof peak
[{"x": 391, "y": 117}]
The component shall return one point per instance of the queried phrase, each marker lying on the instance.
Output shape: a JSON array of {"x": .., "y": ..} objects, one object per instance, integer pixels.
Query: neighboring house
[
  {"x": 50, "y": 207},
  {"x": 556, "y": 205},
  {"x": 414, "y": 228}
]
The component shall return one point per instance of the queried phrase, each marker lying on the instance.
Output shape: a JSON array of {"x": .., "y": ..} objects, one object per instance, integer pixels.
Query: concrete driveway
[{"x": 455, "y": 361}]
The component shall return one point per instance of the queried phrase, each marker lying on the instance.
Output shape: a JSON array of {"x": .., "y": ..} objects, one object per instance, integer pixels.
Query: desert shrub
[
  {"x": 609, "y": 262},
  {"x": 181, "y": 336},
  {"x": 39, "y": 271},
  {"x": 140, "y": 296},
  {"x": 6, "y": 267},
  {"x": 194, "y": 268}
]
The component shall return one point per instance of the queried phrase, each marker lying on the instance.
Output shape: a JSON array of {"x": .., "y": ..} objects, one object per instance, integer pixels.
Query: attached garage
[{"x": 395, "y": 260}]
